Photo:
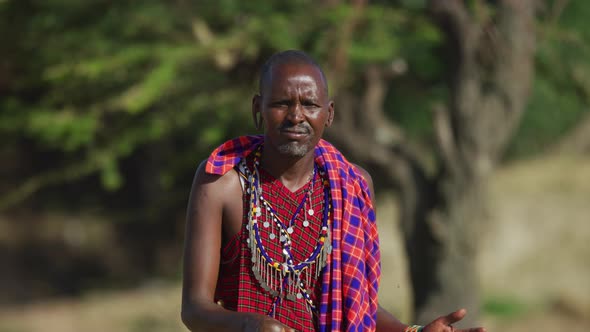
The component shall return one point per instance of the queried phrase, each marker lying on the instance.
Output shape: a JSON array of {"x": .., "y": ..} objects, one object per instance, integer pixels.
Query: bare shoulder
[
  {"x": 215, "y": 203},
  {"x": 367, "y": 176},
  {"x": 214, "y": 191},
  {"x": 214, "y": 182}
]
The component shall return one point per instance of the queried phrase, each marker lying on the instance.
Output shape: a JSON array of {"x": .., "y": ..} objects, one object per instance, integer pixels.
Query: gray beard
[{"x": 294, "y": 149}]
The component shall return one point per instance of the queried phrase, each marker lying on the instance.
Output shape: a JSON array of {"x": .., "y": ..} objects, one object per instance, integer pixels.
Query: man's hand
[
  {"x": 267, "y": 324},
  {"x": 444, "y": 323}
]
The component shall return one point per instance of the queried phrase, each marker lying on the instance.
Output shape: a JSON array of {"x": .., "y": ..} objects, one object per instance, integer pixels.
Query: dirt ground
[
  {"x": 535, "y": 270},
  {"x": 537, "y": 250}
]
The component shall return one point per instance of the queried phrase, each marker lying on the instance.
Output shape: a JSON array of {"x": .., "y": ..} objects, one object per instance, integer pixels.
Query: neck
[{"x": 292, "y": 171}]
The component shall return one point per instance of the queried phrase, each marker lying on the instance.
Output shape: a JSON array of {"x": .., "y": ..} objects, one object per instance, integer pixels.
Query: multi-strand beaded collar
[{"x": 287, "y": 278}]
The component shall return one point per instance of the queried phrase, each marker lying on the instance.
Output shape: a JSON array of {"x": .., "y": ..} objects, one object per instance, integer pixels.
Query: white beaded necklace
[{"x": 286, "y": 279}]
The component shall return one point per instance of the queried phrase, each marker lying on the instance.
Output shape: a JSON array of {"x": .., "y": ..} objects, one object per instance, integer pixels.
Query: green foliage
[
  {"x": 62, "y": 128},
  {"x": 551, "y": 113},
  {"x": 95, "y": 86},
  {"x": 561, "y": 92},
  {"x": 98, "y": 89},
  {"x": 505, "y": 307}
]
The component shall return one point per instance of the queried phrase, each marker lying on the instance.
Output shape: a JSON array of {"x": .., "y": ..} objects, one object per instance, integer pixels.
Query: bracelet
[{"x": 414, "y": 328}]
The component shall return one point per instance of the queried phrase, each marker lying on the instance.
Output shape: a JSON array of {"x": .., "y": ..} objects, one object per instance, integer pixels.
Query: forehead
[{"x": 285, "y": 75}]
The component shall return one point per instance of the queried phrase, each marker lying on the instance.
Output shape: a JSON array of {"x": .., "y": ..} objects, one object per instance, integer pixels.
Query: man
[{"x": 281, "y": 232}]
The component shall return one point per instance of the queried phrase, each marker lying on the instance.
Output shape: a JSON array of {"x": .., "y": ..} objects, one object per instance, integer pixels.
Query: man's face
[{"x": 294, "y": 107}]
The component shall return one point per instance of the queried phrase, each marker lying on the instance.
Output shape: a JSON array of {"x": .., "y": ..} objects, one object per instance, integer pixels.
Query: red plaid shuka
[
  {"x": 351, "y": 278},
  {"x": 237, "y": 287}
]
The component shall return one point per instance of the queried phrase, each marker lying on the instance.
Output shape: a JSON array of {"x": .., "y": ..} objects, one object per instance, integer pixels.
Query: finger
[
  {"x": 476, "y": 329},
  {"x": 453, "y": 317}
]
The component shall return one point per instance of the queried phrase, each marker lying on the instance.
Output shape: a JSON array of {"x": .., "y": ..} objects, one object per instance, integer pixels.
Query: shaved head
[{"x": 287, "y": 57}]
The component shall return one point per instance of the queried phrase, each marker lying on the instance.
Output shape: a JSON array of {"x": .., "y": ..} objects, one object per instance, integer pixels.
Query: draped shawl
[{"x": 350, "y": 280}]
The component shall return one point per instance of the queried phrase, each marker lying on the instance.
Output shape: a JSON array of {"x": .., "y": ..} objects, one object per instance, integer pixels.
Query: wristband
[{"x": 414, "y": 328}]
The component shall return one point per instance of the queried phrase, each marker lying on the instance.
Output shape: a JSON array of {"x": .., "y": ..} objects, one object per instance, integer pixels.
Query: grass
[{"x": 505, "y": 307}]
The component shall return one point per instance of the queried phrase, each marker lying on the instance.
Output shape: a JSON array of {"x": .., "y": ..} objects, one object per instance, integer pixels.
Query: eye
[
  {"x": 310, "y": 105},
  {"x": 280, "y": 103}
]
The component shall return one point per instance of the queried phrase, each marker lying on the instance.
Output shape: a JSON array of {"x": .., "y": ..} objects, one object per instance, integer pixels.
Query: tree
[
  {"x": 428, "y": 94},
  {"x": 489, "y": 51}
]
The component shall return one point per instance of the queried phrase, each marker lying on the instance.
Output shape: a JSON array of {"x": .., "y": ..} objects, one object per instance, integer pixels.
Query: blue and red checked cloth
[{"x": 350, "y": 280}]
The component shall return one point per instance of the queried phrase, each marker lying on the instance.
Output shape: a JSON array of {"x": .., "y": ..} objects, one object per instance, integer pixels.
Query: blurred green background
[{"x": 107, "y": 108}]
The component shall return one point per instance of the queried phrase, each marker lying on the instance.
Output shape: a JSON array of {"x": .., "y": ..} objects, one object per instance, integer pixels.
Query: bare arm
[
  {"x": 210, "y": 199},
  {"x": 201, "y": 257}
]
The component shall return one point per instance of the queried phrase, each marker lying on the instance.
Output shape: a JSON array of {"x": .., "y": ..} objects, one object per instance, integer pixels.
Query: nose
[{"x": 295, "y": 114}]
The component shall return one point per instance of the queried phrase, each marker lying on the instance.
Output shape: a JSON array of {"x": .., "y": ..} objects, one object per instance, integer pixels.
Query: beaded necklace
[{"x": 287, "y": 278}]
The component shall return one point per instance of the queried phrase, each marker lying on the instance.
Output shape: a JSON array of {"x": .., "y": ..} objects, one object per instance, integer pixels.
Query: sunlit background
[{"x": 472, "y": 116}]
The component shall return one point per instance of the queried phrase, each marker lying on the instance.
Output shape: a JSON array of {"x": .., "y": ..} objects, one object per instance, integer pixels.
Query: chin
[{"x": 294, "y": 149}]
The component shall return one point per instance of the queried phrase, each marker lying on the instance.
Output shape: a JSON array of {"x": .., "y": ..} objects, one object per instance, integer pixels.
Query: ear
[
  {"x": 330, "y": 113},
  {"x": 257, "y": 111}
]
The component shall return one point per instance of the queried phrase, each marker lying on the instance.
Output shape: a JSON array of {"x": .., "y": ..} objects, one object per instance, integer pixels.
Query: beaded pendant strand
[{"x": 285, "y": 279}]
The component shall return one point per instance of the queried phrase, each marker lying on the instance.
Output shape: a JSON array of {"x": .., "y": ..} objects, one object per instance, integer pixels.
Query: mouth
[{"x": 294, "y": 134}]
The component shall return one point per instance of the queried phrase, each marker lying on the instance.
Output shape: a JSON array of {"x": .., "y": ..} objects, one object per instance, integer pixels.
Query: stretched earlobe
[
  {"x": 330, "y": 114},
  {"x": 256, "y": 114},
  {"x": 258, "y": 121}
]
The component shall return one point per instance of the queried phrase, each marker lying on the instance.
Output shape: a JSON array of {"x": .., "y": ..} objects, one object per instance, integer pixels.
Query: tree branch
[
  {"x": 396, "y": 164},
  {"x": 339, "y": 56},
  {"x": 454, "y": 18},
  {"x": 556, "y": 10},
  {"x": 224, "y": 58},
  {"x": 35, "y": 183},
  {"x": 374, "y": 119},
  {"x": 513, "y": 73},
  {"x": 446, "y": 144}
]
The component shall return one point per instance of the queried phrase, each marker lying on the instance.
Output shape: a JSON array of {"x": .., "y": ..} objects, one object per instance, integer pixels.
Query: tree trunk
[
  {"x": 443, "y": 251},
  {"x": 490, "y": 54},
  {"x": 492, "y": 60}
]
